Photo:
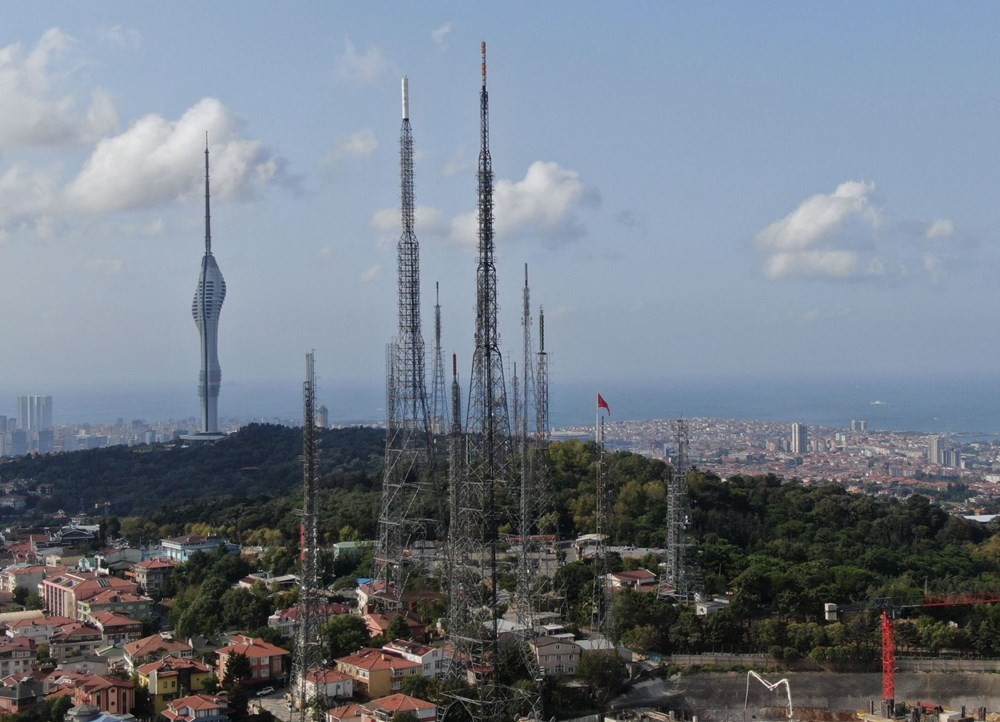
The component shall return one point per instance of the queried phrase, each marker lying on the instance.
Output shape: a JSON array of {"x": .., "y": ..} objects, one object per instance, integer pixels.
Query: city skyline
[{"x": 700, "y": 191}]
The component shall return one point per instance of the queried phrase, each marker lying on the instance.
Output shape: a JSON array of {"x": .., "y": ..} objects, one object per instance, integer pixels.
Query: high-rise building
[
  {"x": 800, "y": 439},
  {"x": 322, "y": 418},
  {"x": 205, "y": 308},
  {"x": 34, "y": 413},
  {"x": 934, "y": 449}
]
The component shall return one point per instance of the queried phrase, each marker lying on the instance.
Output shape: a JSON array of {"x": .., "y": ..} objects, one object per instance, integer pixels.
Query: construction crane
[{"x": 892, "y": 608}]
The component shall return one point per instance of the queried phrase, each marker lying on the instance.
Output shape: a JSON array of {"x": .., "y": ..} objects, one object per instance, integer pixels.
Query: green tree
[
  {"x": 603, "y": 672},
  {"x": 344, "y": 634}
]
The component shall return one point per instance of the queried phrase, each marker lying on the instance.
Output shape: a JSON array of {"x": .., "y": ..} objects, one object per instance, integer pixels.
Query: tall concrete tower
[{"x": 205, "y": 308}]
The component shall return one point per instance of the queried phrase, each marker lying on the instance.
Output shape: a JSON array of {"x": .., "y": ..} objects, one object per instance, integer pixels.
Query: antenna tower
[
  {"x": 308, "y": 641},
  {"x": 528, "y": 589},
  {"x": 599, "y": 619},
  {"x": 678, "y": 578},
  {"x": 439, "y": 399},
  {"x": 486, "y": 474},
  {"x": 407, "y": 432}
]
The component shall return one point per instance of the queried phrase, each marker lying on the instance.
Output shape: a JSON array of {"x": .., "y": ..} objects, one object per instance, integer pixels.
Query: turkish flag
[{"x": 602, "y": 404}]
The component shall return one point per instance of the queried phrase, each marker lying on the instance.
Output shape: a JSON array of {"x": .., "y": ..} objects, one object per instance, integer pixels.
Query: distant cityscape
[{"x": 854, "y": 455}]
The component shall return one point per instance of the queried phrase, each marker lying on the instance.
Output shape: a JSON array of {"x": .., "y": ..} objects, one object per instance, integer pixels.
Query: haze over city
[{"x": 702, "y": 192}]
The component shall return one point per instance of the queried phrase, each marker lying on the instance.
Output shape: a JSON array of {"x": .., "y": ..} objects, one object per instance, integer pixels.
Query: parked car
[{"x": 264, "y": 691}]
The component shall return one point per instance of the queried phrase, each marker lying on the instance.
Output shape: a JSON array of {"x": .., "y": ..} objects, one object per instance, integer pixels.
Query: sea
[{"x": 969, "y": 406}]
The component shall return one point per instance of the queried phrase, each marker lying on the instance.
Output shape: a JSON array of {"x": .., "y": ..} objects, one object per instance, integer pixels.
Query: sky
[{"x": 701, "y": 191}]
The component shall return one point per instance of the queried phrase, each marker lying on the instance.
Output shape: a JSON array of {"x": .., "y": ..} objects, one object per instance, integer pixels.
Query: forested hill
[{"x": 258, "y": 460}]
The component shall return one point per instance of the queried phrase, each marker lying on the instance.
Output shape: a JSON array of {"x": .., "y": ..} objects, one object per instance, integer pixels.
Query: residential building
[
  {"x": 328, "y": 685},
  {"x": 130, "y": 604},
  {"x": 385, "y": 709},
  {"x": 74, "y": 640},
  {"x": 201, "y": 707},
  {"x": 117, "y": 629},
  {"x": 169, "y": 678},
  {"x": 380, "y": 624},
  {"x": 151, "y": 575},
  {"x": 115, "y": 695},
  {"x": 20, "y": 696},
  {"x": 154, "y": 647},
  {"x": 286, "y": 620},
  {"x": 434, "y": 661},
  {"x": 16, "y": 656},
  {"x": 62, "y": 593},
  {"x": 377, "y": 672},
  {"x": 638, "y": 580},
  {"x": 344, "y": 713},
  {"x": 180, "y": 549},
  {"x": 800, "y": 439},
  {"x": 555, "y": 655},
  {"x": 38, "y": 629},
  {"x": 266, "y": 659}
]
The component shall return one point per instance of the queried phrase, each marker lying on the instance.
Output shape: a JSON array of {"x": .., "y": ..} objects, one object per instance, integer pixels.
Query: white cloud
[
  {"x": 440, "y": 35},
  {"x": 158, "y": 160},
  {"x": 426, "y": 221},
  {"x": 104, "y": 266},
  {"x": 941, "y": 228},
  {"x": 357, "y": 145},
  {"x": 829, "y": 264},
  {"x": 35, "y": 107},
  {"x": 360, "y": 68},
  {"x": 456, "y": 164},
  {"x": 824, "y": 236},
  {"x": 371, "y": 274},
  {"x": 120, "y": 37},
  {"x": 542, "y": 205},
  {"x": 325, "y": 253},
  {"x": 26, "y": 194}
]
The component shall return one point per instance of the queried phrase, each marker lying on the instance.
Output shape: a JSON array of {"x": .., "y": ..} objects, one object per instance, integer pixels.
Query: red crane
[{"x": 890, "y": 608}]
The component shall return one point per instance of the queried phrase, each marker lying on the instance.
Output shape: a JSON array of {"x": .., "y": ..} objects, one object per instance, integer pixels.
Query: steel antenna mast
[
  {"x": 408, "y": 440},
  {"x": 308, "y": 641}
]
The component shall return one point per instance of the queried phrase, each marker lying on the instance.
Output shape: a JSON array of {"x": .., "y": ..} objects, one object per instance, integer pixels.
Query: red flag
[{"x": 602, "y": 404}]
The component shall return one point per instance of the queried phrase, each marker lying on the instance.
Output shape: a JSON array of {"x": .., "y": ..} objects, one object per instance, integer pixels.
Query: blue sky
[{"x": 701, "y": 190}]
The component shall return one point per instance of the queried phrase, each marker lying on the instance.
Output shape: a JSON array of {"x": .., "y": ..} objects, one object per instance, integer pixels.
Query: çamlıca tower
[{"x": 205, "y": 308}]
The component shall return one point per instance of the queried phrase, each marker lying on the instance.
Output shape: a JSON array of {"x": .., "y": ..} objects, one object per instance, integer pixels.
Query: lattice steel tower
[
  {"x": 439, "y": 400},
  {"x": 407, "y": 433},
  {"x": 530, "y": 506},
  {"x": 603, "y": 501},
  {"x": 473, "y": 625},
  {"x": 679, "y": 578},
  {"x": 308, "y": 640}
]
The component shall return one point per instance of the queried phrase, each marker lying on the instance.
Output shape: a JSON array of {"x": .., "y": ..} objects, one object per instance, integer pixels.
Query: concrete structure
[{"x": 205, "y": 309}]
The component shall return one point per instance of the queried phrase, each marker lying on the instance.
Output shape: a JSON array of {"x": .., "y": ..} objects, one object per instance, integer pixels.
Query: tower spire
[{"x": 208, "y": 213}]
